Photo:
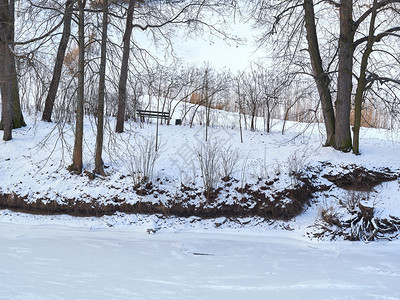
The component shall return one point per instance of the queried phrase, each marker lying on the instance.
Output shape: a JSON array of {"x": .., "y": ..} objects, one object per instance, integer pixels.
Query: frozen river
[{"x": 57, "y": 262}]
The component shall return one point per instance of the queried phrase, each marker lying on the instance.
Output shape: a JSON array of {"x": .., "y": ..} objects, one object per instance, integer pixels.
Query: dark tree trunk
[
  {"x": 18, "y": 118},
  {"x": 78, "y": 145},
  {"x": 124, "y": 69},
  {"x": 362, "y": 82},
  {"x": 11, "y": 108},
  {"x": 51, "y": 96},
  {"x": 322, "y": 80},
  {"x": 344, "y": 88},
  {"x": 268, "y": 117},
  {"x": 99, "y": 168},
  {"x": 6, "y": 70},
  {"x": 252, "y": 121},
  {"x": 7, "y": 111}
]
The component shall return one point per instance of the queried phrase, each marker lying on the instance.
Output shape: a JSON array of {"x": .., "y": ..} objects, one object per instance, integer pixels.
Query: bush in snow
[
  {"x": 142, "y": 158},
  {"x": 295, "y": 166},
  {"x": 208, "y": 156},
  {"x": 229, "y": 161},
  {"x": 261, "y": 169}
]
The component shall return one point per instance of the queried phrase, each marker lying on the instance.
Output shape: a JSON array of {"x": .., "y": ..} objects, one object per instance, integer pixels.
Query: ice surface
[{"x": 62, "y": 262}]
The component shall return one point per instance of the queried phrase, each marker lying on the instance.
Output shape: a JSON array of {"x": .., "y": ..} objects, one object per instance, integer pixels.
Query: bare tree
[
  {"x": 272, "y": 86},
  {"x": 51, "y": 95},
  {"x": 160, "y": 21},
  {"x": 213, "y": 85},
  {"x": 77, "y": 161},
  {"x": 344, "y": 84},
  {"x": 287, "y": 27},
  {"x": 258, "y": 94},
  {"x": 362, "y": 82},
  {"x": 320, "y": 75},
  {"x": 365, "y": 81},
  {"x": 99, "y": 168},
  {"x": 11, "y": 108},
  {"x": 241, "y": 99},
  {"x": 124, "y": 67},
  {"x": 6, "y": 69},
  {"x": 253, "y": 103}
]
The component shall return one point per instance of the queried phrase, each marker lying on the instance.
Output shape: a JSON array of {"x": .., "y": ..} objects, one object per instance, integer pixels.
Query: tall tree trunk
[
  {"x": 11, "y": 108},
  {"x": 268, "y": 117},
  {"x": 362, "y": 82},
  {"x": 124, "y": 68},
  {"x": 7, "y": 111},
  {"x": 344, "y": 88},
  {"x": 55, "y": 81},
  {"x": 322, "y": 80},
  {"x": 78, "y": 145},
  {"x": 207, "y": 103},
  {"x": 99, "y": 169},
  {"x": 5, "y": 70},
  {"x": 18, "y": 118}
]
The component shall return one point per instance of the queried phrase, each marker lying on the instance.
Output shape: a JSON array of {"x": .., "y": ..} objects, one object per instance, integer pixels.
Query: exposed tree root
[{"x": 361, "y": 225}]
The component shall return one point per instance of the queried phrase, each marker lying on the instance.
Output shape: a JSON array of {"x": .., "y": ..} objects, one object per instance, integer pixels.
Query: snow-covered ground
[
  {"x": 155, "y": 257},
  {"x": 34, "y": 163},
  {"x": 44, "y": 261}
]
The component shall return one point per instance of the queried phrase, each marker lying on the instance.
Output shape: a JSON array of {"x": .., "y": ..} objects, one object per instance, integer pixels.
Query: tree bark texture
[
  {"x": 12, "y": 116},
  {"x": 78, "y": 145},
  {"x": 124, "y": 68},
  {"x": 99, "y": 168},
  {"x": 7, "y": 111},
  {"x": 322, "y": 80},
  {"x": 55, "y": 81},
  {"x": 5, "y": 70},
  {"x": 344, "y": 88},
  {"x": 18, "y": 118}
]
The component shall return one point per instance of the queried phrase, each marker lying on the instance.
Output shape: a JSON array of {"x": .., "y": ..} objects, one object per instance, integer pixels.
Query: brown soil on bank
[{"x": 261, "y": 203}]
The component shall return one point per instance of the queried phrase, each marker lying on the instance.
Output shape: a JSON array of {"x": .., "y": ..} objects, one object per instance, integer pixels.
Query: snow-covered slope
[{"x": 34, "y": 166}]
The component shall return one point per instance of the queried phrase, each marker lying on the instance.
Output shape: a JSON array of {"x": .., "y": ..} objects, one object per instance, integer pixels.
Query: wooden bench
[{"x": 152, "y": 114}]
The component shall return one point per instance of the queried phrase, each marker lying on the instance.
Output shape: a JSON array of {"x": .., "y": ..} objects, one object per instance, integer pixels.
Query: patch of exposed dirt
[
  {"x": 261, "y": 199},
  {"x": 252, "y": 201},
  {"x": 360, "y": 179}
]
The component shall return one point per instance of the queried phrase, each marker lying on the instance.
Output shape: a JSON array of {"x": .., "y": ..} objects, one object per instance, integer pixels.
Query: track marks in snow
[
  {"x": 380, "y": 271},
  {"x": 273, "y": 287}
]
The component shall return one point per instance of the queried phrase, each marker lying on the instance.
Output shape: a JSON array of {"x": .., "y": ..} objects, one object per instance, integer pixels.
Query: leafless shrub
[
  {"x": 208, "y": 155},
  {"x": 243, "y": 171},
  {"x": 352, "y": 200},
  {"x": 295, "y": 166},
  {"x": 229, "y": 161},
  {"x": 142, "y": 158},
  {"x": 187, "y": 173},
  {"x": 330, "y": 216},
  {"x": 261, "y": 168},
  {"x": 277, "y": 168}
]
